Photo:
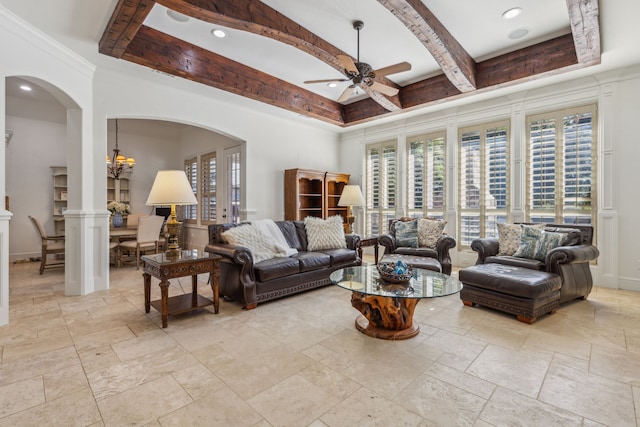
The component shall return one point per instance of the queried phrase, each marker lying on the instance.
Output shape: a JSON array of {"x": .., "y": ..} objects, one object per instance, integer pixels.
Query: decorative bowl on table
[{"x": 395, "y": 272}]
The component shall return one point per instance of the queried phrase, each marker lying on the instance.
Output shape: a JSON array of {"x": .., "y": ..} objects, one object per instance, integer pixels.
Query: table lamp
[
  {"x": 351, "y": 196},
  {"x": 171, "y": 187}
]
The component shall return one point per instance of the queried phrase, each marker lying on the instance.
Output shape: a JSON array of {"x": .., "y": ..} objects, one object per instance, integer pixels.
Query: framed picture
[{"x": 63, "y": 195}]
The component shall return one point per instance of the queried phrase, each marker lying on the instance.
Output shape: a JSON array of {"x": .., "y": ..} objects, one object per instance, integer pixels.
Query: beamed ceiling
[{"x": 128, "y": 37}]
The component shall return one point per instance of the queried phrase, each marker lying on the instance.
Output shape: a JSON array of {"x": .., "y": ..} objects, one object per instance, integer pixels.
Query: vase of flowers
[{"x": 118, "y": 209}]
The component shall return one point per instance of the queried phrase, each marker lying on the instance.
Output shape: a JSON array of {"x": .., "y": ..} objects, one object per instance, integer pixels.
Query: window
[
  {"x": 208, "y": 195},
  {"x": 381, "y": 176},
  {"x": 233, "y": 185},
  {"x": 425, "y": 176},
  {"x": 191, "y": 169},
  {"x": 561, "y": 166},
  {"x": 483, "y": 181}
]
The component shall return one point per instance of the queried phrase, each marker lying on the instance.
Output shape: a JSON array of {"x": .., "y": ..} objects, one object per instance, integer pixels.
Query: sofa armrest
[
  {"x": 238, "y": 255},
  {"x": 571, "y": 255},
  {"x": 485, "y": 248},
  {"x": 444, "y": 244},
  {"x": 389, "y": 242},
  {"x": 353, "y": 241}
]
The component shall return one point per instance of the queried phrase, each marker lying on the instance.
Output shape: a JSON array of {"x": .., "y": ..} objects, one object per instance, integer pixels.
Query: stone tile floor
[{"x": 99, "y": 360}]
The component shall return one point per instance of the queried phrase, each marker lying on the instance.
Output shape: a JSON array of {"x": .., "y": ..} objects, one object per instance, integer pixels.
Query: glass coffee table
[{"x": 387, "y": 308}]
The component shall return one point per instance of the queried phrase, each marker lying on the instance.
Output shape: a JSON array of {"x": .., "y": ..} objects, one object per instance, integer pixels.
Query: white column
[{"x": 5, "y": 216}]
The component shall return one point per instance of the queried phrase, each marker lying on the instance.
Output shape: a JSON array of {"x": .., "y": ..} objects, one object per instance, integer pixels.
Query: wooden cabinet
[
  {"x": 118, "y": 190},
  {"x": 60, "y": 195},
  {"x": 313, "y": 193},
  {"x": 333, "y": 185}
]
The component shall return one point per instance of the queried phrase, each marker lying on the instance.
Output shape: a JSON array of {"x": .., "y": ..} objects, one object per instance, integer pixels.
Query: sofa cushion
[
  {"x": 407, "y": 233},
  {"x": 310, "y": 261},
  {"x": 253, "y": 238},
  {"x": 341, "y": 256},
  {"x": 424, "y": 252},
  {"x": 302, "y": 235},
  {"x": 535, "y": 244},
  {"x": 429, "y": 231},
  {"x": 509, "y": 237},
  {"x": 290, "y": 233},
  {"x": 325, "y": 233},
  {"x": 275, "y": 268},
  {"x": 532, "y": 264}
]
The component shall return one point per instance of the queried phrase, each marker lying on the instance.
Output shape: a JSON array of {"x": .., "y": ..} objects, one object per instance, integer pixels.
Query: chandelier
[{"x": 119, "y": 163}]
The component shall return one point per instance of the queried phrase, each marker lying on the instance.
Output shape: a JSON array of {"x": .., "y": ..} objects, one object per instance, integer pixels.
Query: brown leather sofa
[
  {"x": 440, "y": 253},
  {"x": 569, "y": 261},
  {"x": 248, "y": 283}
]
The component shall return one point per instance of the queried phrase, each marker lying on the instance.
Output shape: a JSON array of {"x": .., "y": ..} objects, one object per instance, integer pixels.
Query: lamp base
[
  {"x": 173, "y": 233},
  {"x": 350, "y": 220}
]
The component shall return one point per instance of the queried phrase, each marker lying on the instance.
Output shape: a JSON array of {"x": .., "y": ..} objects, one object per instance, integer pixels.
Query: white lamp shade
[
  {"x": 351, "y": 196},
  {"x": 171, "y": 187}
]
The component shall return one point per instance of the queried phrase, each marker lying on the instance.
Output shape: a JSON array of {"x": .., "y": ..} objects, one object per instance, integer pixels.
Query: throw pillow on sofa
[
  {"x": 253, "y": 238},
  {"x": 429, "y": 232},
  {"x": 509, "y": 236},
  {"x": 407, "y": 233},
  {"x": 535, "y": 243},
  {"x": 324, "y": 233}
]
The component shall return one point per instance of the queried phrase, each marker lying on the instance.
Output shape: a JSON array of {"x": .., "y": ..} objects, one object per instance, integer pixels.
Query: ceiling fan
[{"x": 362, "y": 74}]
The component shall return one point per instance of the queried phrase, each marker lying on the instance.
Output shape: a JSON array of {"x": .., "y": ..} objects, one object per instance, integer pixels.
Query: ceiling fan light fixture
[
  {"x": 177, "y": 16},
  {"x": 217, "y": 32},
  {"x": 332, "y": 84},
  {"x": 512, "y": 13}
]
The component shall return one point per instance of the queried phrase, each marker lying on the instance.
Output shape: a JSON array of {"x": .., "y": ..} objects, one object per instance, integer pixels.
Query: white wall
[
  {"x": 626, "y": 182},
  {"x": 272, "y": 144},
  {"x": 35, "y": 146}
]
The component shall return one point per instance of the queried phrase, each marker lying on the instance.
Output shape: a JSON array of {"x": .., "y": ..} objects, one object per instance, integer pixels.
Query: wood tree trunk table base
[{"x": 385, "y": 317}]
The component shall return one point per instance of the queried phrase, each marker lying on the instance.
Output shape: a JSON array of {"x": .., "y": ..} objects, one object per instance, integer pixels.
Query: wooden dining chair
[
  {"x": 146, "y": 239},
  {"x": 133, "y": 219},
  {"x": 50, "y": 245}
]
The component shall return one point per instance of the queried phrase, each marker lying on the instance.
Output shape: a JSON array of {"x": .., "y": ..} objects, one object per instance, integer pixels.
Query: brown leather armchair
[
  {"x": 440, "y": 253},
  {"x": 570, "y": 261}
]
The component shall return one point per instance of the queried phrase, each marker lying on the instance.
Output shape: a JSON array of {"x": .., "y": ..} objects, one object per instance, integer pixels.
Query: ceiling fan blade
[
  {"x": 392, "y": 69},
  {"x": 326, "y": 81},
  {"x": 347, "y": 93},
  {"x": 347, "y": 62},
  {"x": 382, "y": 88}
]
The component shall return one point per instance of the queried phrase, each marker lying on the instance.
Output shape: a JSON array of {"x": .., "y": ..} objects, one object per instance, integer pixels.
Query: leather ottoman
[
  {"x": 414, "y": 261},
  {"x": 526, "y": 293}
]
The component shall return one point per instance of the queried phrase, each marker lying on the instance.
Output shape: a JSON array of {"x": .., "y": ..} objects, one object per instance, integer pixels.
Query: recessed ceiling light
[
  {"x": 25, "y": 88},
  {"x": 219, "y": 33},
  {"x": 512, "y": 13},
  {"x": 332, "y": 84},
  {"x": 519, "y": 33},
  {"x": 177, "y": 16}
]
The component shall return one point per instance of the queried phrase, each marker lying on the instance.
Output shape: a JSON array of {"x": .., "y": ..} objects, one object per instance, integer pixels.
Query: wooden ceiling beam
[
  {"x": 258, "y": 18},
  {"x": 126, "y": 38},
  {"x": 533, "y": 62},
  {"x": 585, "y": 27},
  {"x": 165, "y": 53},
  {"x": 453, "y": 59},
  {"x": 126, "y": 20}
]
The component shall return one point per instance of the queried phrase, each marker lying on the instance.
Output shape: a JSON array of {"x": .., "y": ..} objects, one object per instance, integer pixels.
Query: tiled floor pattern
[{"x": 100, "y": 360}]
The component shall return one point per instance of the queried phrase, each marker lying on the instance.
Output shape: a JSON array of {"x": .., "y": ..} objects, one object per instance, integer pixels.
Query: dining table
[{"x": 118, "y": 234}]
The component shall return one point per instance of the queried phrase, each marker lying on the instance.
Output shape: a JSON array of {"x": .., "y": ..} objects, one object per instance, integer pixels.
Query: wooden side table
[
  {"x": 369, "y": 241},
  {"x": 188, "y": 263}
]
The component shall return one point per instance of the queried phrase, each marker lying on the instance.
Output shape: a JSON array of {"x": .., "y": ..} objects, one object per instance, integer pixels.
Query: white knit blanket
[{"x": 270, "y": 228}]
